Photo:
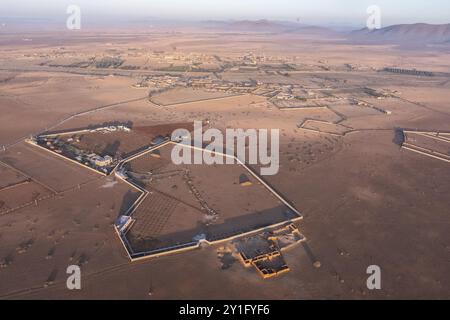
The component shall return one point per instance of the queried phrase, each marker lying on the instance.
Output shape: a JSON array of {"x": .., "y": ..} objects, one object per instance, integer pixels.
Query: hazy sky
[{"x": 325, "y": 12}]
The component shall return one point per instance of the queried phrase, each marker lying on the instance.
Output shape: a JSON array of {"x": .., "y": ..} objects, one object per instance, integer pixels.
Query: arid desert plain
[{"x": 364, "y": 174}]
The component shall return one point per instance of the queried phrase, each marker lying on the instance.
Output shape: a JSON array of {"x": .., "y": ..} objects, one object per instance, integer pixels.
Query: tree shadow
[
  {"x": 111, "y": 149},
  {"x": 309, "y": 252},
  {"x": 127, "y": 201},
  {"x": 399, "y": 137}
]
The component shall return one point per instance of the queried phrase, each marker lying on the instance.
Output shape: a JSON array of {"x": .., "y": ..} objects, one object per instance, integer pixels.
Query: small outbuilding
[
  {"x": 156, "y": 154},
  {"x": 244, "y": 181}
]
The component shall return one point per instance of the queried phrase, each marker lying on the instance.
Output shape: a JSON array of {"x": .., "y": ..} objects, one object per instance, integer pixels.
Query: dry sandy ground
[
  {"x": 32, "y": 102},
  {"x": 365, "y": 200}
]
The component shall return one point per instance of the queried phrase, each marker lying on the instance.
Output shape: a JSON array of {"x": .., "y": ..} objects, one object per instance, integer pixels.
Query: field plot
[
  {"x": 187, "y": 203},
  {"x": 351, "y": 111},
  {"x": 325, "y": 127},
  {"x": 50, "y": 170},
  {"x": 22, "y": 194},
  {"x": 186, "y": 95},
  {"x": 14, "y": 109},
  {"x": 297, "y": 104},
  {"x": 44, "y": 240},
  {"x": 429, "y": 143},
  {"x": 162, "y": 222},
  {"x": 10, "y": 178},
  {"x": 18, "y": 191}
]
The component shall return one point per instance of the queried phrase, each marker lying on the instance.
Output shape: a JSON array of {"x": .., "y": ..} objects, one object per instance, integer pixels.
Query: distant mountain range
[
  {"x": 419, "y": 33},
  {"x": 402, "y": 34},
  {"x": 264, "y": 26},
  {"x": 415, "y": 34}
]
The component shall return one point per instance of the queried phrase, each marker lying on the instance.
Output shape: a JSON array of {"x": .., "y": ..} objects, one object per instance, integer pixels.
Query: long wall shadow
[
  {"x": 214, "y": 232},
  {"x": 127, "y": 201}
]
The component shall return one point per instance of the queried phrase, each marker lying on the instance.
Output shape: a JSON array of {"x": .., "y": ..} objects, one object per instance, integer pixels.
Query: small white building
[
  {"x": 99, "y": 161},
  {"x": 103, "y": 161}
]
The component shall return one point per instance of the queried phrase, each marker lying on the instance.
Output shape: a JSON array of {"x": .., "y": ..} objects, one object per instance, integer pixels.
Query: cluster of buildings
[
  {"x": 279, "y": 91},
  {"x": 190, "y": 58},
  {"x": 110, "y": 129},
  {"x": 249, "y": 59},
  {"x": 96, "y": 160},
  {"x": 246, "y": 86},
  {"x": 65, "y": 144},
  {"x": 411, "y": 72},
  {"x": 65, "y": 148},
  {"x": 160, "y": 82},
  {"x": 264, "y": 251},
  {"x": 380, "y": 94}
]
